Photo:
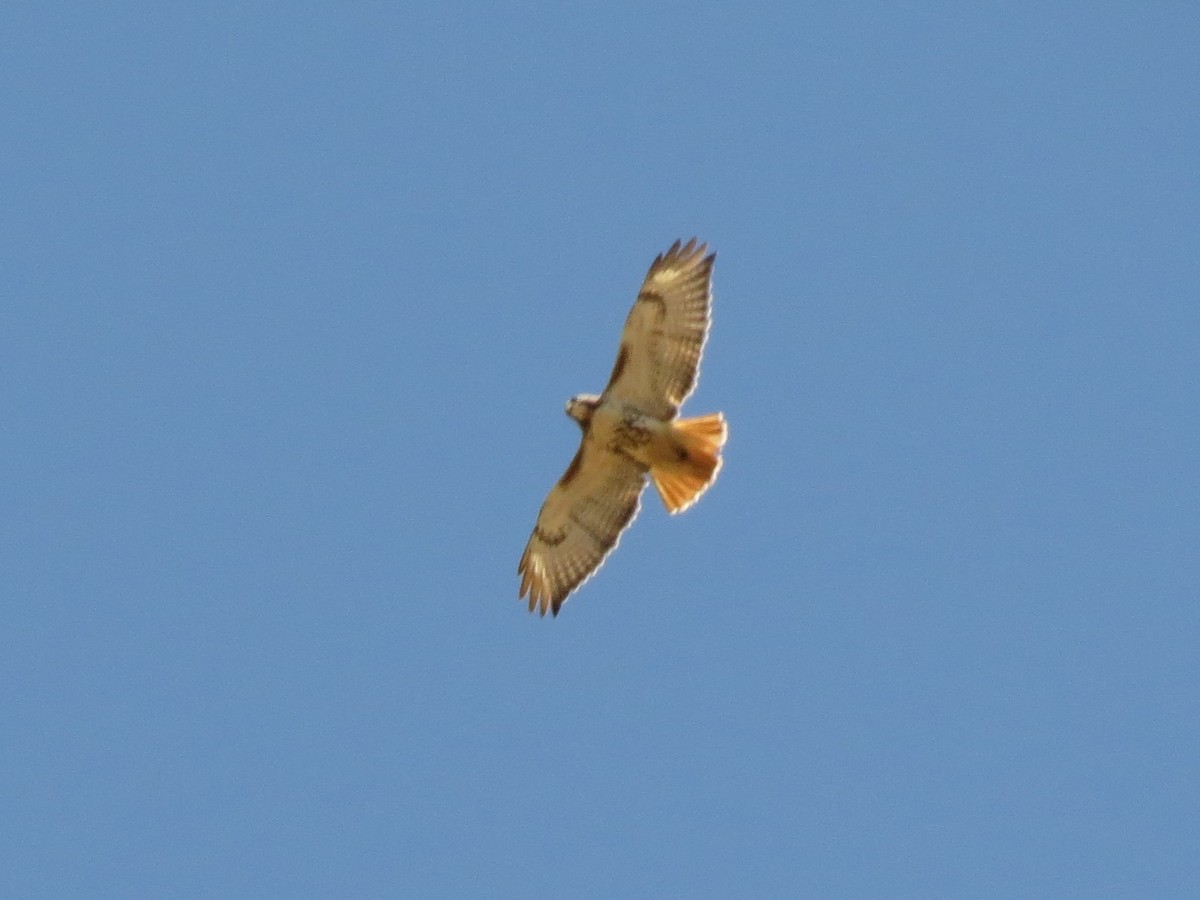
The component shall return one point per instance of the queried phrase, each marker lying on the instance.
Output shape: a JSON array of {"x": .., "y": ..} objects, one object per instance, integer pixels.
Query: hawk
[{"x": 631, "y": 431}]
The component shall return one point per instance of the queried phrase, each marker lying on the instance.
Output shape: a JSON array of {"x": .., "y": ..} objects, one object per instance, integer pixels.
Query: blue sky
[{"x": 293, "y": 295}]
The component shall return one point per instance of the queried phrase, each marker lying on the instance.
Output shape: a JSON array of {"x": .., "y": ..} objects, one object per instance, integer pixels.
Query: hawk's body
[{"x": 631, "y": 430}]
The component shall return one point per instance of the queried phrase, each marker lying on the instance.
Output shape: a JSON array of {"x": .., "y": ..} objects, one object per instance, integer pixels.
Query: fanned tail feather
[{"x": 680, "y": 482}]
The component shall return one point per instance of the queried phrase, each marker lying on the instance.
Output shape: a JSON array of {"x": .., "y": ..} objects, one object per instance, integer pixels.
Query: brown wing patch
[
  {"x": 619, "y": 365},
  {"x": 548, "y": 537},
  {"x": 653, "y": 297},
  {"x": 573, "y": 468}
]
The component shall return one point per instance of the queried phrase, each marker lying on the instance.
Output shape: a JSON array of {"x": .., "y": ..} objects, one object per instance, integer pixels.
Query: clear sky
[{"x": 292, "y": 298}]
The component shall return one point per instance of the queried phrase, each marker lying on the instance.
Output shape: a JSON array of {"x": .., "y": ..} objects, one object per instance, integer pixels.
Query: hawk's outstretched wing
[
  {"x": 579, "y": 524},
  {"x": 664, "y": 335}
]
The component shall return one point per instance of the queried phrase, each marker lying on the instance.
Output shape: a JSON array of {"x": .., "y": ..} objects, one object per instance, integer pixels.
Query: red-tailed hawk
[{"x": 631, "y": 430}]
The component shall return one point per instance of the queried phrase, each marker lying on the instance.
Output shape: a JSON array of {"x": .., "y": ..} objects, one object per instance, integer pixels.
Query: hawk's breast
[{"x": 624, "y": 429}]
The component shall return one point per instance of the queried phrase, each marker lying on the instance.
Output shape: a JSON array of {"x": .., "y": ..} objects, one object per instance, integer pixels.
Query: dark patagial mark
[
  {"x": 619, "y": 365},
  {"x": 573, "y": 469}
]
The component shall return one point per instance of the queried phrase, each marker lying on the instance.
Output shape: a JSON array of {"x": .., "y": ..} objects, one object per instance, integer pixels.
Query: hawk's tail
[{"x": 698, "y": 441}]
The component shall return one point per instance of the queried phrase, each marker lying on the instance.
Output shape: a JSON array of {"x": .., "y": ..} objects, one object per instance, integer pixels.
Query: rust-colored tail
[{"x": 680, "y": 482}]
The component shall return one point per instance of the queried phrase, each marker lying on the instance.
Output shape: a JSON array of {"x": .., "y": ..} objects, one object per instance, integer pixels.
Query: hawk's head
[{"x": 581, "y": 407}]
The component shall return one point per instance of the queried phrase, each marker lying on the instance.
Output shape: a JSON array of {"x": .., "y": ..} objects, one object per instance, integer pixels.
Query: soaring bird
[{"x": 632, "y": 430}]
